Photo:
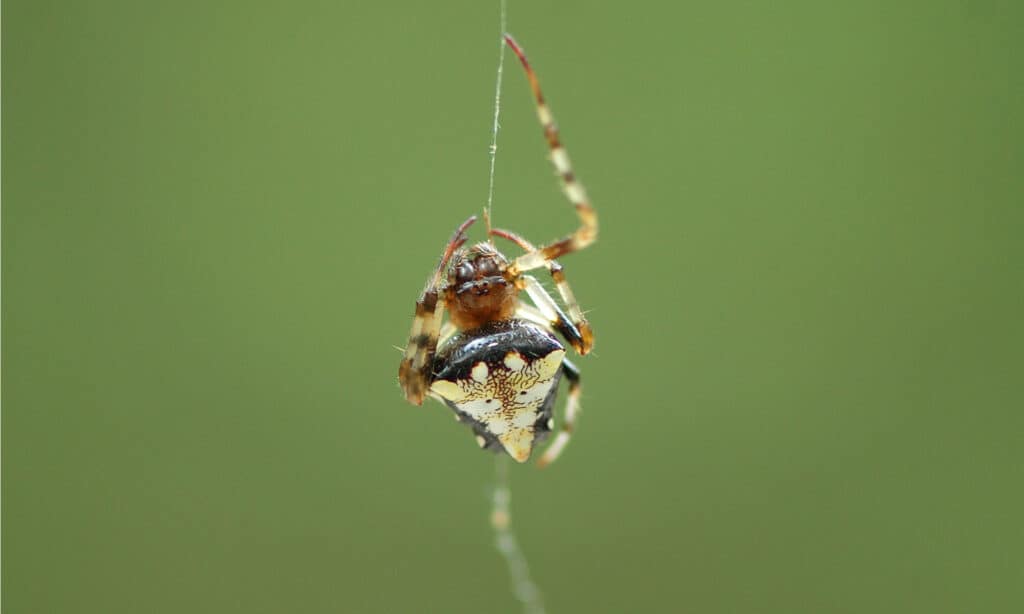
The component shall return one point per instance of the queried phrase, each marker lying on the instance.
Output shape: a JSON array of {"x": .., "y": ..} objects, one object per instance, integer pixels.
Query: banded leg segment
[
  {"x": 568, "y": 298},
  {"x": 572, "y": 410},
  {"x": 587, "y": 232},
  {"x": 576, "y": 331},
  {"x": 414, "y": 373}
]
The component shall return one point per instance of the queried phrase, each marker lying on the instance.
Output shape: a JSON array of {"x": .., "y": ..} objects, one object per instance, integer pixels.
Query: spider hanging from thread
[{"x": 497, "y": 361}]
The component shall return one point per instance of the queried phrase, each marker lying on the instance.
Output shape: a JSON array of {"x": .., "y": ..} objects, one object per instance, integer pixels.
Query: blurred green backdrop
[{"x": 806, "y": 394}]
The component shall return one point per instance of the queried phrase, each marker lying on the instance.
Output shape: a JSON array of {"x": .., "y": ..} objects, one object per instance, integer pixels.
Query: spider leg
[
  {"x": 530, "y": 313},
  {"x": 573, "y": 327},
  {"x": 447, "y": 330},
  {"x": 587, "y": 231},
  {"x": 586, "y": 334},
  {"x": 513, "y": 237},
  {"x": 415, "y": 372},
  {"x": 569, "y": 299},
  {"x": 572, "y": 409}
]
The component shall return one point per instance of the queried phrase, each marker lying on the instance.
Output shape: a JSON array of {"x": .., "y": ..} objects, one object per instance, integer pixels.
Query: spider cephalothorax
[
  {"x": 497, "y": 362},
  {"x": 481, "y": 287}
]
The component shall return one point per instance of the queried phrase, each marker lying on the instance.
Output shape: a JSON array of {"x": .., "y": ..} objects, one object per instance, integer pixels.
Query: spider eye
[
  {"x": 464, "y": 271},
  {"x": 487, "y": 267}
]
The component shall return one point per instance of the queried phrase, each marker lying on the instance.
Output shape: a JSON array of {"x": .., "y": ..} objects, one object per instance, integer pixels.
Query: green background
[{"x": 807, "y": 388}]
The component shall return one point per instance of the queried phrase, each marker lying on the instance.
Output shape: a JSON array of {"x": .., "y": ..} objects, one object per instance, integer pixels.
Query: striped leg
[
  {"x": 576, "y": 330},
  {"x": 587, "y": 232},
  {"x": 586, "y": 334},
  {"x": 414, "y": 373},
  {"x": 572, "y": 409},
  {"x": 569, "y": 299}
]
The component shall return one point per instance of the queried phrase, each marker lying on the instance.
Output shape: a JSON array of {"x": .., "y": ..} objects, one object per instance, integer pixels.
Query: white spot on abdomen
[{"x": 514, "y": 361}]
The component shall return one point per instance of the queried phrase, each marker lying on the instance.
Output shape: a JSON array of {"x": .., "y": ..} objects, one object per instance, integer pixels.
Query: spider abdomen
[{"x": 501, "y": 379}]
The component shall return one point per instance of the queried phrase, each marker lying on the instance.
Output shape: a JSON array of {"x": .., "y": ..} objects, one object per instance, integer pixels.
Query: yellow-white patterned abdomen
[{"x": 506, "y": 394}]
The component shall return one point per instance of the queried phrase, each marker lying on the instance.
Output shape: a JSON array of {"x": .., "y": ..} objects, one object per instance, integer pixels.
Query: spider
[{"x": 497, "y": 361}]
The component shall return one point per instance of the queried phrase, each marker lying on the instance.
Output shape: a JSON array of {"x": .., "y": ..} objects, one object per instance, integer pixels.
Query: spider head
[{"x": 480, "y": 289}]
